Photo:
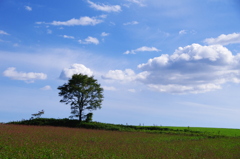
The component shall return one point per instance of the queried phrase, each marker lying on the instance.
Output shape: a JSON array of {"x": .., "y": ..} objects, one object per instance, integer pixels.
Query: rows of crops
[{"x": 18, "y": 141}]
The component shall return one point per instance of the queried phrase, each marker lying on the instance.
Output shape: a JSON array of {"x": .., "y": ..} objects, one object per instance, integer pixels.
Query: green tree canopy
[{"x": 81, "y": 92}]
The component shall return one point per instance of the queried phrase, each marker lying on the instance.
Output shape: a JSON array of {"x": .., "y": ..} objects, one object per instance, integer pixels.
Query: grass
[
  {"x": 24, "y": 141},
  {"x": 214, "y": 131},
  {"x": 192, "y": 131},
  {"x": 64, "y": 138}
]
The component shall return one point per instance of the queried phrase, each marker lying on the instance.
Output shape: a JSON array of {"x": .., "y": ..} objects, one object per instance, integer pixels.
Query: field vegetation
[
  {"x": 204, "y": 132},
  {"x": 68, "y": 139}
]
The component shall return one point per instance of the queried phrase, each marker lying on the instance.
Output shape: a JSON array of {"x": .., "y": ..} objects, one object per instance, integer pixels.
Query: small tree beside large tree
[{"x": 82, "y": 93}]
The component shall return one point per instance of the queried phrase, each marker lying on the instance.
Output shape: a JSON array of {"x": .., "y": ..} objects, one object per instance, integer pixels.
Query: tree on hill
[
  {"x": 82, "y": 93},
  {"x": 38, "y": 115}
]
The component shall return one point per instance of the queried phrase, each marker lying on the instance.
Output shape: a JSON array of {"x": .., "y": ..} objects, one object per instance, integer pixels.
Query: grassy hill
[
  {"x": 192, "y": 131},
  {"x": 26, "y": 139}
]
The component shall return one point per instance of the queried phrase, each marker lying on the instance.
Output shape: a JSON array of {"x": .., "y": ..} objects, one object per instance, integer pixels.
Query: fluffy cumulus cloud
[
  {"x": 27, "y": 77},
  {"x": 127, "y": 75},
  {"x": 142, "y": 49},
  {"x": 89, "y": 40},
  {"x": 75, "y": 69},
  {"x": 224, "y": 39},
  {"x": 190, "y": 69},
  {"x": 105, "y": 8},
  {"x": 81, "y": 21}
]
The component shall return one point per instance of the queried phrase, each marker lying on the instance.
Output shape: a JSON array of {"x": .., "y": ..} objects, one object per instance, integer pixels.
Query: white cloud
[
  {"x": 46, "y": 88},
  {"x": 181, "y": 32},
  {"x": 90, "y": 40},
  {"x": 105, "y": 8},
  {"x": 131, "y": 23},
  {"x": 40, "y": 23},
  {"x": 3, "y": 32},
  {"x": 81, "y": 21},
  {"x": 125, "y": 76},
  {"x": 190, "y": 69},
  {"x": 179, "y": 89},
  {"x": 139, "y": 2},
  {"x": 28, "y": 8},
  {"x": 128, "y": 75},
  {"x": 63, "y": 58},
  {"x": 104, "y": 34},
  {"x": 68, "y": 37},
  {"x": 224, "y": 39},
  {"x": 109, "y": 88},
  {"x": 27, "y": 77},
  {"x": 75, "y": 69},
  {"x": 132, "y": 90},
  {"x": 142, "y": 49},
  {"x": 103, "y": 16}
]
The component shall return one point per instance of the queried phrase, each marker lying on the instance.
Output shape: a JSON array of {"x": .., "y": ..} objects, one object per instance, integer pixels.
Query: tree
[
  {"x": 81, "y": 92},
  {"x": 38, "y": 115}
]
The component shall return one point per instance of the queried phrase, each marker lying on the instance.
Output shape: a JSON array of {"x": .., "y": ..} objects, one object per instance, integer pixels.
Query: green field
[
  {"x": 24, "y": 141},
  {"x": 193, "y": 131},
  {"x": 216, "y": 131}
]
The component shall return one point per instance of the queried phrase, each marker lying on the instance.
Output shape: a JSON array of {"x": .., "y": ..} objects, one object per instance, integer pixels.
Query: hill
[
  {"x": 29, "y": 141},
  {"x": 191, "y": 131}
]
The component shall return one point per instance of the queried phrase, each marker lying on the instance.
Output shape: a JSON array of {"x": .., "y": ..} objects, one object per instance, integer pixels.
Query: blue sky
[{"x": 170, "y": 63}]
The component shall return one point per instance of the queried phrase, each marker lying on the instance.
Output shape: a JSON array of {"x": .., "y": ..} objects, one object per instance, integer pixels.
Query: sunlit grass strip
[
  {"x": 215, "y": 131},
  {"x": 18, "y": 141}
]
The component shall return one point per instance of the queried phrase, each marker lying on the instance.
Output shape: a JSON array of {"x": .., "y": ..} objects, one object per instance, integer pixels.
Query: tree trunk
[
  {"x": 80, "y": 101},
  {"x": 80, "y": 114}
]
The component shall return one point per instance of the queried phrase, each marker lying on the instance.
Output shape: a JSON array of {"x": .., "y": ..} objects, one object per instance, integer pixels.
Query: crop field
[{"x": 21, "y": 141}]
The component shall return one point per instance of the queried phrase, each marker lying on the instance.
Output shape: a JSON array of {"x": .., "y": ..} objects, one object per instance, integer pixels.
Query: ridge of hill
[{"x": 192, "y": 131}]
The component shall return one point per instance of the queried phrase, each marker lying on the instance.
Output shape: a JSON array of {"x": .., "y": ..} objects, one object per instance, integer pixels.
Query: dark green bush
[{"x": 89, "y": 117}]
